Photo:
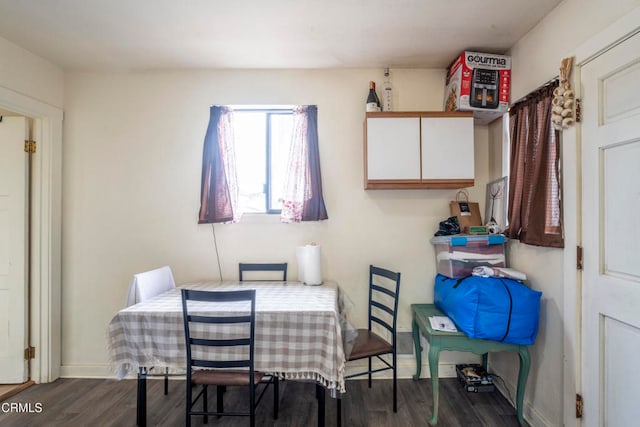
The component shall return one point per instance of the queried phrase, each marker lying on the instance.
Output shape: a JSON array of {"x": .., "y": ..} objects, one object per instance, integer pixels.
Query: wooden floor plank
[{"x": 104, "y": 403}]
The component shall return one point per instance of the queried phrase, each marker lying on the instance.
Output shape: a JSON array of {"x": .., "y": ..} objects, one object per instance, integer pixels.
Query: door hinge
[
  {"x": 578, "y": 110},
  {"x": 579, "y": 406},
  {"x": 579, "y": 259},
  {"x": 29, "y": 353},
  {"x": 30, "y": 146}
]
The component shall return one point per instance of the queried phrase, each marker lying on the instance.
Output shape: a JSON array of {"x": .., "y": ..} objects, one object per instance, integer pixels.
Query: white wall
[
  {"x": 29, "y": 75},
  {"x": 536, "y": 59},
  {"x": 132, "y": 164}
]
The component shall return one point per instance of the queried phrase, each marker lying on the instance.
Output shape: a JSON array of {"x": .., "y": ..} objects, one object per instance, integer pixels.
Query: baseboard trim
[
  {"x": 87, "y": 371},
  {"x": 406, "y": 370},
  {"x": 530, "y": 414}
]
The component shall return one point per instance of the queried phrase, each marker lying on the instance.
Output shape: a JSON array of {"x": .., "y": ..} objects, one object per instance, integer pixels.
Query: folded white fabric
[
  {"x": 470, "y": 257},
  {"x": 506, "y": 272}
]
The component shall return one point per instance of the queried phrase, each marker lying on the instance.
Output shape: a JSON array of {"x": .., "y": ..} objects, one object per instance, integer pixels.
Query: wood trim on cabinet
[
  {"x": 434, "y": 184},
  {"x": 378, "y": 114}
]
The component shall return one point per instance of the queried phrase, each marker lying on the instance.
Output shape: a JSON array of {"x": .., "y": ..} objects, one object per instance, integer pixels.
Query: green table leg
[
  {"x": 458, "y": 341},
  {"x": 416, "y": 342},
  {"x": 525, "y": 365},
  {"x": 434, "y": 353}
]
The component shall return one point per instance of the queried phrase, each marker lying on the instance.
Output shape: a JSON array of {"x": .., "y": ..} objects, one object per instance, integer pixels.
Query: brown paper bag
[{"x": 468, "y": 214}]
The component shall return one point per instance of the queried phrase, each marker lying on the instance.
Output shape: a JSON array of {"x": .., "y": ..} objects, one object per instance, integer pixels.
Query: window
[
  {"x": 261, "y": 160},
  {"x": 262, "y": 142}
]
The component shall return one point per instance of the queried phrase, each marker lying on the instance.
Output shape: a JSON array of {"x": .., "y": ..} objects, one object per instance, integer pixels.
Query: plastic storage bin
[{"x": 457, "y": 255}]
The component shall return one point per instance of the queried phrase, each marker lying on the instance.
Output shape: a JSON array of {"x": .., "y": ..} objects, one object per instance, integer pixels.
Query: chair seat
[
  {"x": 224, "y": 377},
  {"x": 369, "y": 344}
]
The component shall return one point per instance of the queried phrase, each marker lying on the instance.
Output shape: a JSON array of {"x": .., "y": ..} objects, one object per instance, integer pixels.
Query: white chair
[
  {"x": 149, "y": 284},
  {"x": 145, "y": 286}
]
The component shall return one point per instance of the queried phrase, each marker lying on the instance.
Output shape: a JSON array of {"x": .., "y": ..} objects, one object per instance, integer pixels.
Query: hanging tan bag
[{"x": 468, "y": 213}]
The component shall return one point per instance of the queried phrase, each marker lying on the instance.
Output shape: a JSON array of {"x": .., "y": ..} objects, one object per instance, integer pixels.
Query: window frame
[{"x": 268, "y": 111}]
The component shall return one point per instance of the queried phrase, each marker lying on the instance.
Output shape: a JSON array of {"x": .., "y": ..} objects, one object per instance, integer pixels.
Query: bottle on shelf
[
  {"x": 387, "y": 92},
  {"x": 375, "y": 92},
  {"x": 372, "y": 98}
]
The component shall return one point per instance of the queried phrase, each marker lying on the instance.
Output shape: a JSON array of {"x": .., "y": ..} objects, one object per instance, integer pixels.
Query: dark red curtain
[
  {"x": 314, "y": 208},
  {"x": 535, "y": 206},
  {"x": 215, "y": 197}
]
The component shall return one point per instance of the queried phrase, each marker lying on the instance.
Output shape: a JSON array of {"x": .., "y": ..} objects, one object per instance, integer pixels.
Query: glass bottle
[
  {"x": 387, "y": 92},
  {"x": 375, "y": 93},
  {"x": 372, "y": 98}
]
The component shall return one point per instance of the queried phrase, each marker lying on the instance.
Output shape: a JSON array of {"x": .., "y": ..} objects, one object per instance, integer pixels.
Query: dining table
[{"x": 302, "y": 332}]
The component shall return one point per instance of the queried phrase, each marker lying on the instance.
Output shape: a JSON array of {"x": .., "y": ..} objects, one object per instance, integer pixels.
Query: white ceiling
[{"x": 152, "y": 34}]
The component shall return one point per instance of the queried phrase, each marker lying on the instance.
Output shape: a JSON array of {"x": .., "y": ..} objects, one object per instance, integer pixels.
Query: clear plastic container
[{"x": 457, "y": 255}]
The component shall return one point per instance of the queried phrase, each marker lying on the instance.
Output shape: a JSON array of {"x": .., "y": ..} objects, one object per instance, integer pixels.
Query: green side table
[{"x": 458, "y": 341}]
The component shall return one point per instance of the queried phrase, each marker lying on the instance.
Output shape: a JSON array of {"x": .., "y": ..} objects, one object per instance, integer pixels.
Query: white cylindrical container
[{"x": 309, "y": 264}]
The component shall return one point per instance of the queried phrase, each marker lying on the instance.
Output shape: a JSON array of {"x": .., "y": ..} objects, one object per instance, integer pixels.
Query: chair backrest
[
  {"x": 149, "y": 284},
  {"x": 232, "y": 313},
  {"x": 263, "y": 267},
  {"x": 384, "y": 292}
]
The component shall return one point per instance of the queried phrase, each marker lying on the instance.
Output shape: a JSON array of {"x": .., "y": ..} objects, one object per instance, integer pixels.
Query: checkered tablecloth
[{"x": 298, "y": 331}]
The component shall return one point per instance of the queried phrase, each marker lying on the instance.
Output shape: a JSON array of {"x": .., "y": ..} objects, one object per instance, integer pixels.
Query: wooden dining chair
[
  {"x": 263, "y": 267},
  {"x": 143, "y": 287},
  {"x": 384, "y": 291},
  {"x": 207, "y": 367}
]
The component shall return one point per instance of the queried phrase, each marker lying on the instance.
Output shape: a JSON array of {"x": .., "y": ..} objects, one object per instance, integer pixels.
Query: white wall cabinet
[{"x": 404, "y": 150}]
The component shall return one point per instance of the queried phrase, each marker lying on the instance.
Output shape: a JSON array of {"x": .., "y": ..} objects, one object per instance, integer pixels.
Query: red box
[{"x": 479, "y": 82}]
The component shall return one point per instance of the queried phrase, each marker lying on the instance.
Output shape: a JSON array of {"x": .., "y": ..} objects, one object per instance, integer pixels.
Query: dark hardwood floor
[{"x": 86, "y": 402}]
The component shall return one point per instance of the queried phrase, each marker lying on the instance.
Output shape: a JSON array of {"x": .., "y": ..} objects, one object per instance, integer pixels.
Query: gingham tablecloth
[{"x": 298, "y": 331}]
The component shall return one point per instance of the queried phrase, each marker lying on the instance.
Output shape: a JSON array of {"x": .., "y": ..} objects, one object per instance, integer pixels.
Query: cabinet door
[
  {"x": 447, "y": 148},
  {"x": 393, "y": 148}
]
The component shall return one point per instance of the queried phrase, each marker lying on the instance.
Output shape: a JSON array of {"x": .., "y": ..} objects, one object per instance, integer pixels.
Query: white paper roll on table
[{"x": 309, "y": 264}]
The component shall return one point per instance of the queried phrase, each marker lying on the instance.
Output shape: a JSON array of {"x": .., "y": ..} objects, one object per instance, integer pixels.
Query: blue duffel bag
[{"x": 490, "y": 308}]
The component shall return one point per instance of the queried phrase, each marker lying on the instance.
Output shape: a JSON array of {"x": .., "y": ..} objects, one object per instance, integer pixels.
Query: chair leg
[
  {"x": 395, "y": 383},
  {"x": 321, "y": 404},
  {"x": 205, "y": 419},
  {"x": 276, "y": 397},
  {"x": 166, "y": 381},
  {"x": 220, "y": 398},
  {"x": 339, "y": 411},
  {"x": 369, "y": 372},
  {"x": 252, "y": 405},
  {"x": 141, "y": 411},
  {"x": 188, "y": 404}
]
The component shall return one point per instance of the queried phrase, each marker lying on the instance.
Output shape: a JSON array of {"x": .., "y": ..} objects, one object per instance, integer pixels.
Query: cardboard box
[{"x": 479, "y": 82}]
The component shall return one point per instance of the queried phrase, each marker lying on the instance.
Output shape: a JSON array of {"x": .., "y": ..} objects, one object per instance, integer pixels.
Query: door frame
[
  {"x": 45, "y": 234},
  {"x": 617, "y": 32}
]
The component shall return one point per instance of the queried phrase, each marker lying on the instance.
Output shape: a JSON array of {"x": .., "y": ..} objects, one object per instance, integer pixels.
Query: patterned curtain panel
[
  {"x": 535, "y": 209},
  {"x": 302, "y": 195},
  {"x": 219, "y": 189}
]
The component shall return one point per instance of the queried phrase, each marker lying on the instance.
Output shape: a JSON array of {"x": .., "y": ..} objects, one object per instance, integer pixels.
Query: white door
[
  {"x": 13, "y": 250},
  {"x": 611, "y": 236}
]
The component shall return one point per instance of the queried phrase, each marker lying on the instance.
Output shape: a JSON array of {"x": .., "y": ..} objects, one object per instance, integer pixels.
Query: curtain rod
[{"x": 545, "y": 84}]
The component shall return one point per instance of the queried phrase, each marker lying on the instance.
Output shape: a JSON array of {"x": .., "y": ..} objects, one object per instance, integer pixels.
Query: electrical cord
[
  {"x": 215, "y": 242},
  {"x": 504, "y": 385}
]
